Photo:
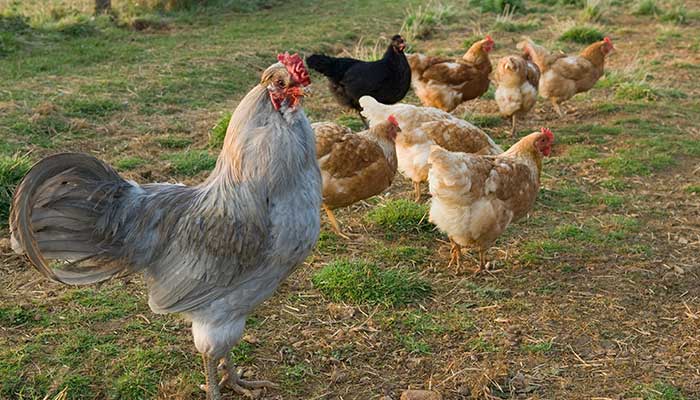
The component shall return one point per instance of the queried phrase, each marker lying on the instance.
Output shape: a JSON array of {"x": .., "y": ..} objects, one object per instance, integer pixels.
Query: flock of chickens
[{"x": 215, "y": 251}]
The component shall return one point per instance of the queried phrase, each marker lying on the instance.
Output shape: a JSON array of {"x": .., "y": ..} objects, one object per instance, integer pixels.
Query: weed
[
  {"x": 218, "y": 131},
  {"x": 401, "y": 216},
  {"x": 488, "y": 292},
  {"x": 582, "y": 35},
  {"x": 593, "y": 11},
  {"x": 420, "y": 22},
  {"x": 192, "y": 162},
  {"x": 92, "y": 108},
  {"x": 538, "y": 250},
  {"x": 678, "y": 15},
  {"x": 635, "y": 91},
  {"x": 329, "y": 242},
  {"x": 513, "y": 26},
  {"x": 482, "y": 346},
  {"x": 577, "y": 154},
  {"x": 658, "y": 391},
  {"x": 694, "y": 189},
  {"x": 129, "y": 163},
  {"x": 413, "y": 345},
  {"x": 12, "y": 170},
  {"x": 242, "y": 354},
  {"x": 360, "y": 282}
]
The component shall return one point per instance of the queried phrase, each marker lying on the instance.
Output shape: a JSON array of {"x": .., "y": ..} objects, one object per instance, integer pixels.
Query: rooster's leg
[
  {"x": 334, "y": 222},
  {"x": 233, "y": 380},
  {"x": 416, "y": 189},
  {"x": 512, "y": 129},
  {"x": 211, "y": 386}
]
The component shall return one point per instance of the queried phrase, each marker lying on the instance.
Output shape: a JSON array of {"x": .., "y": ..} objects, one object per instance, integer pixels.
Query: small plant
[
  {"x": 351, "y": 121},
  {"x": 364, "y": 51},
  {"x": 12, "y": 170},
  {"x": 658, "y": 391},
  {"x": 401, "y": 216},
  {"x": 694, "y": 189},
  {"x": 593, "y": 11},
  {"x": 647, "y": 7},
  {"x": 422, "y": 21},
  {"x": 483, "y": 120},
  {"x": 129, "y": 163},
  {"x": 360, "y": 282},
  {"x": 499, "y": 6},
  {"x": 192, "y": 162},
  {"x": 635, "y": 91},
  {"x": 91, "y": 108},
  {"x": 402, "y": 254},
  {"x": 582, "y": 35},
  {"x": 218, "y": 131},
  {"x": 540, "y": 347},
  {"x": 678, "y": 15}
]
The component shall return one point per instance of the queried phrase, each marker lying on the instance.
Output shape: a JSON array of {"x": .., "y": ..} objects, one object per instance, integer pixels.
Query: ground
[{"x": 596, "y": 294}]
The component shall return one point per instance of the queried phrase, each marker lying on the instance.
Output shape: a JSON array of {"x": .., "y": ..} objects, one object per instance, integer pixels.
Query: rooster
[
  {"x": 353, "y": 166},
  {"x": 212, "y": 252},
  {"x": 387, "y": 79},
  {"x": 516, "y": 79},
  {"x": 475, "y": 198},
  {"x": 422, "y": 127},
  {"x": 563, "y": 75},
  {"x": 446, "y": 83}
]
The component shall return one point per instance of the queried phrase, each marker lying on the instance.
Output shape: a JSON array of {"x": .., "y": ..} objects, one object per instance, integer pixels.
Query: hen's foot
[
  {"x": 416, "y": 190},
  {"x": 456, "y": 256}
]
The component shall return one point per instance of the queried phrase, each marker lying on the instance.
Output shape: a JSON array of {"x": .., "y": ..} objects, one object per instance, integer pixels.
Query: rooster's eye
[{"x": 280, "y": 83}]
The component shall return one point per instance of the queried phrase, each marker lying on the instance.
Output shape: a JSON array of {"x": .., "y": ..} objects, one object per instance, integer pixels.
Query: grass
[
  {"x": 173, "y": 142},
  {"x": 191, "y": 162},
  {"x": 596, "y": 258},
  {"x": 499, "y": 6},
  {"x": 401, "y": 216},
  {"x": 483, "y": 120},
  {"x": 129, "y": 163},
  {"x": 581, "y": 34},
  {"x": 12, "y": 170},
  {"x": 360, "y": 282},
  {"x": 647, "y": 7},
  {"x": 218, "y": 131},
  {"x": 421, "y": 21},
  {"x": 593, "y": 11}
]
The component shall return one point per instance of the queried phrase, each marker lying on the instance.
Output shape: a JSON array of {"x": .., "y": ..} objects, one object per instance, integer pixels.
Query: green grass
[
  {"x": 12, "y": 170},
  {"x": 582, "y": 35},
  {"x": 173, "y": 142},
  {"x": 192, "y": 162},
  {"x": 483, "y": 120},
  {"x": 400, "y": 216},
  {"x": 632, "y": 91},
  {"x": 405, "y": 255},
  {"x": 498, "y": 6},
  {"x": 515, "y": 26},
  {"x": 422, "y": 21},
  {"x": 218, "y": 131},
  {"x": 92, "y": 108},
  {"x": 593, "y": 11},
  {"x": 647, "y": 7},
  {"x": 329, "y": 243},
  {"x": 360, "y": 282},
  {"x": 541, "y": 347},
  {"x": 658, "y": 391},
  {"x": 577, "y": 154},
  {"x": 351, "y": 121},
  {"x": 636, "y": 161},
  {"x": 129, "y": 163},
  {"x": 694, "y": 189},
  {"x": 538, "y": 250}
]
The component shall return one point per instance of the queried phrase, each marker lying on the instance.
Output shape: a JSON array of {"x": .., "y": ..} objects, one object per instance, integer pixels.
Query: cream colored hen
[
  {"x": 422, "y": 127},
  {"x": 475, "y": 198},
  {"x": 516, "y": 79}
]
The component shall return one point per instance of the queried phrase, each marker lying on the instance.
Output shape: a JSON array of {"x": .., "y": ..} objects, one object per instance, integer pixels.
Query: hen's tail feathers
[
  {"x": 56, "y": 212},
  {"x": 533, "y": 52},
  {"x": 328, "y": 66}
]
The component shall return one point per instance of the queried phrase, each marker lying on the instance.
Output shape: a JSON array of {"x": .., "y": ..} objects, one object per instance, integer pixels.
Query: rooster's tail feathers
[{"x": 55, "y": 214}]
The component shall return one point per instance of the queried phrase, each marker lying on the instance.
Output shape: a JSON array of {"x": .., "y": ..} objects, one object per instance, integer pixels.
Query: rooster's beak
[{"x": 306, "y": 91}]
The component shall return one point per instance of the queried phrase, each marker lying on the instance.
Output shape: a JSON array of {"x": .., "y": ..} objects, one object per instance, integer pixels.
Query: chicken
[
  {"x": 387, "y": 80},
  {"x": 211, "y": 252},
  {"x": 446, "y": 83},
  {"x": 563, "y": 75},
  {"x": 353, "y": 166},
  {"x": 475, "y": 197},
  {"x": 516, "y": 79},
  {"x": 422, "y": 127}
]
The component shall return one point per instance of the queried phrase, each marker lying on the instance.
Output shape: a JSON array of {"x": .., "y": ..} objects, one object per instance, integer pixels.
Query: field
[{"x": 595, "y": 295}]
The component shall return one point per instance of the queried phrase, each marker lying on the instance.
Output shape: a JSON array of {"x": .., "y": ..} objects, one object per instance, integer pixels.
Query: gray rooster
[{"x": 212, "y": 252}]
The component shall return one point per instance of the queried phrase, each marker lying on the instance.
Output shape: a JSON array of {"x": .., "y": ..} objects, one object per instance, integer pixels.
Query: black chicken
[{"x": 387, "y": 80}]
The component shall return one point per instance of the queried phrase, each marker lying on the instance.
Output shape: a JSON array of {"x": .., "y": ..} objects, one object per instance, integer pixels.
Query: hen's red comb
[
  {"x": 607, "y": 40},
  {"x": 548, "y": 132},
  {"x": 296, "y": 68},
  {"x": 488, "y": 37},
  {"x": 393, "y": 120}
]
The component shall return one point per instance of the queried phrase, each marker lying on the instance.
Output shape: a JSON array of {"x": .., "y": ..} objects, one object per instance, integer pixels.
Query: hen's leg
[
  {"x": 482, "y": 261},
  {"x": 456, "y": 255},
  {"x": 233, "y": 380},
  {"x": 364, "y": 120},
  {"x": 557, "y": 108},
  {"x": 416, "y": 189},
  {"x": 211, "y": 386},
  {"x": 512, "y": 129},
  {"x": 334, "y": 222}
]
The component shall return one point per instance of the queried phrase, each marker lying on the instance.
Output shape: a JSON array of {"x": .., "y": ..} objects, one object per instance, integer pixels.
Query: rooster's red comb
[
  {"x": 393, "y": 120},
  {"x": 296, "y": 68},
  {"x": 548, "y": 132}
]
